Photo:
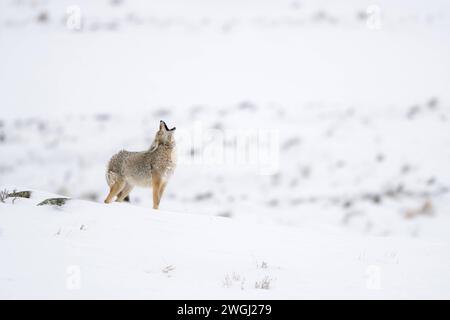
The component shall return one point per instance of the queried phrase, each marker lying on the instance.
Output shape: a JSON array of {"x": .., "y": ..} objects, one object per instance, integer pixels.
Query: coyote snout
[{"x": 152, "y": 168}]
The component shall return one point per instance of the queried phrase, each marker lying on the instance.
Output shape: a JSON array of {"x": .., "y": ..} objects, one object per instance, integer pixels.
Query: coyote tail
[{"x": 111, "y": 177}]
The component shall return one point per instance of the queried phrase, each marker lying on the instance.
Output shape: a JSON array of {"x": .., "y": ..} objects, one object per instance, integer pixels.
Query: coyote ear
[{"x": 173, "y": 129}]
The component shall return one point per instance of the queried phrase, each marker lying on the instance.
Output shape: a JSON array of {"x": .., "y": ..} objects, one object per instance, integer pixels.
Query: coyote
[{"x": 152, "y": 168}]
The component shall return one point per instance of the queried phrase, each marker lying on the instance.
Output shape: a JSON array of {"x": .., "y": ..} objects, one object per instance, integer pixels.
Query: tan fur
[{"x": 151, "y": 168}]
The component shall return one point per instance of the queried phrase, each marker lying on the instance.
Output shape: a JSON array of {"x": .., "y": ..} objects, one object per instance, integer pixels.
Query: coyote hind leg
[
  {"x": 115, "y": 189},
  {"x": 124, "y": 193}
]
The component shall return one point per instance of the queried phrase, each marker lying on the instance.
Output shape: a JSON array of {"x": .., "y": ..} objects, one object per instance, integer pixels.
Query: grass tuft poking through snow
[
  {"x": 54, "y": 202},
  {"x": 264, "y": 283}
]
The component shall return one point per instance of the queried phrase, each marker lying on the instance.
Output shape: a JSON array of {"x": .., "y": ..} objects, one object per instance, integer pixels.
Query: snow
[
  {"x": 126, "y": 251},
  {"x": 352, "y": 192}
]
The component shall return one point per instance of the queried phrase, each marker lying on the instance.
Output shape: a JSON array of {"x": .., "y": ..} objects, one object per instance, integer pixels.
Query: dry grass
[
  {"x": 264, "y": 283},
  {"x": 232, "y": 279},
  {"x": 4, "y": 194}
]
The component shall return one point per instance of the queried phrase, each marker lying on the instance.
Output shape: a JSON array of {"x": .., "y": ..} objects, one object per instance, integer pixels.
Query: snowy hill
[
  {"x": 355, "y": 95},
  {"x": 90, "y": 250},
  {"x": 362, "y": 114}
]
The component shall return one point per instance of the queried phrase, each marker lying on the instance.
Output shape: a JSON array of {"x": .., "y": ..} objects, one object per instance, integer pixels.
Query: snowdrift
[{"x": 85, "y": 249}]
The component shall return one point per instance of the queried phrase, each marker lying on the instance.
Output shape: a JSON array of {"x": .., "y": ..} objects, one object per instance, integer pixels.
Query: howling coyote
[{"x": 151, "y": 168}]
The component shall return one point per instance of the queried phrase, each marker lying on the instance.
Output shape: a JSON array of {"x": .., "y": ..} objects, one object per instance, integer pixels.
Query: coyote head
[{"x": 164, "y": 136}]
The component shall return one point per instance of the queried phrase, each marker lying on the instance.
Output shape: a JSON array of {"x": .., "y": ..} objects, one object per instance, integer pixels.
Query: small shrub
[
  {"x": 20, "y": 194},
  {"x": 227, "y": 282},
  {"x": 235, "y": 278},
  {"x": 43, "y": 17},
  {"x": 264, "y": 283},
  {"x": 168, "y": 269},
  {"x": 54, "y": 202},
  {"x": 4, "y": 194}
]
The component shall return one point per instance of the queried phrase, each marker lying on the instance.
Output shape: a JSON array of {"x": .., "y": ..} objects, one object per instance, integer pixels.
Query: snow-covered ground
[
  {"x": 89, "y": 250},
  {"x": 355, "y": 95}
]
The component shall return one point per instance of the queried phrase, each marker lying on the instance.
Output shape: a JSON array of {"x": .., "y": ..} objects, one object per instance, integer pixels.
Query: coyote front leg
[
  {"x": 161, "y": 189},
  {"x": 156, "y": 186}
]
